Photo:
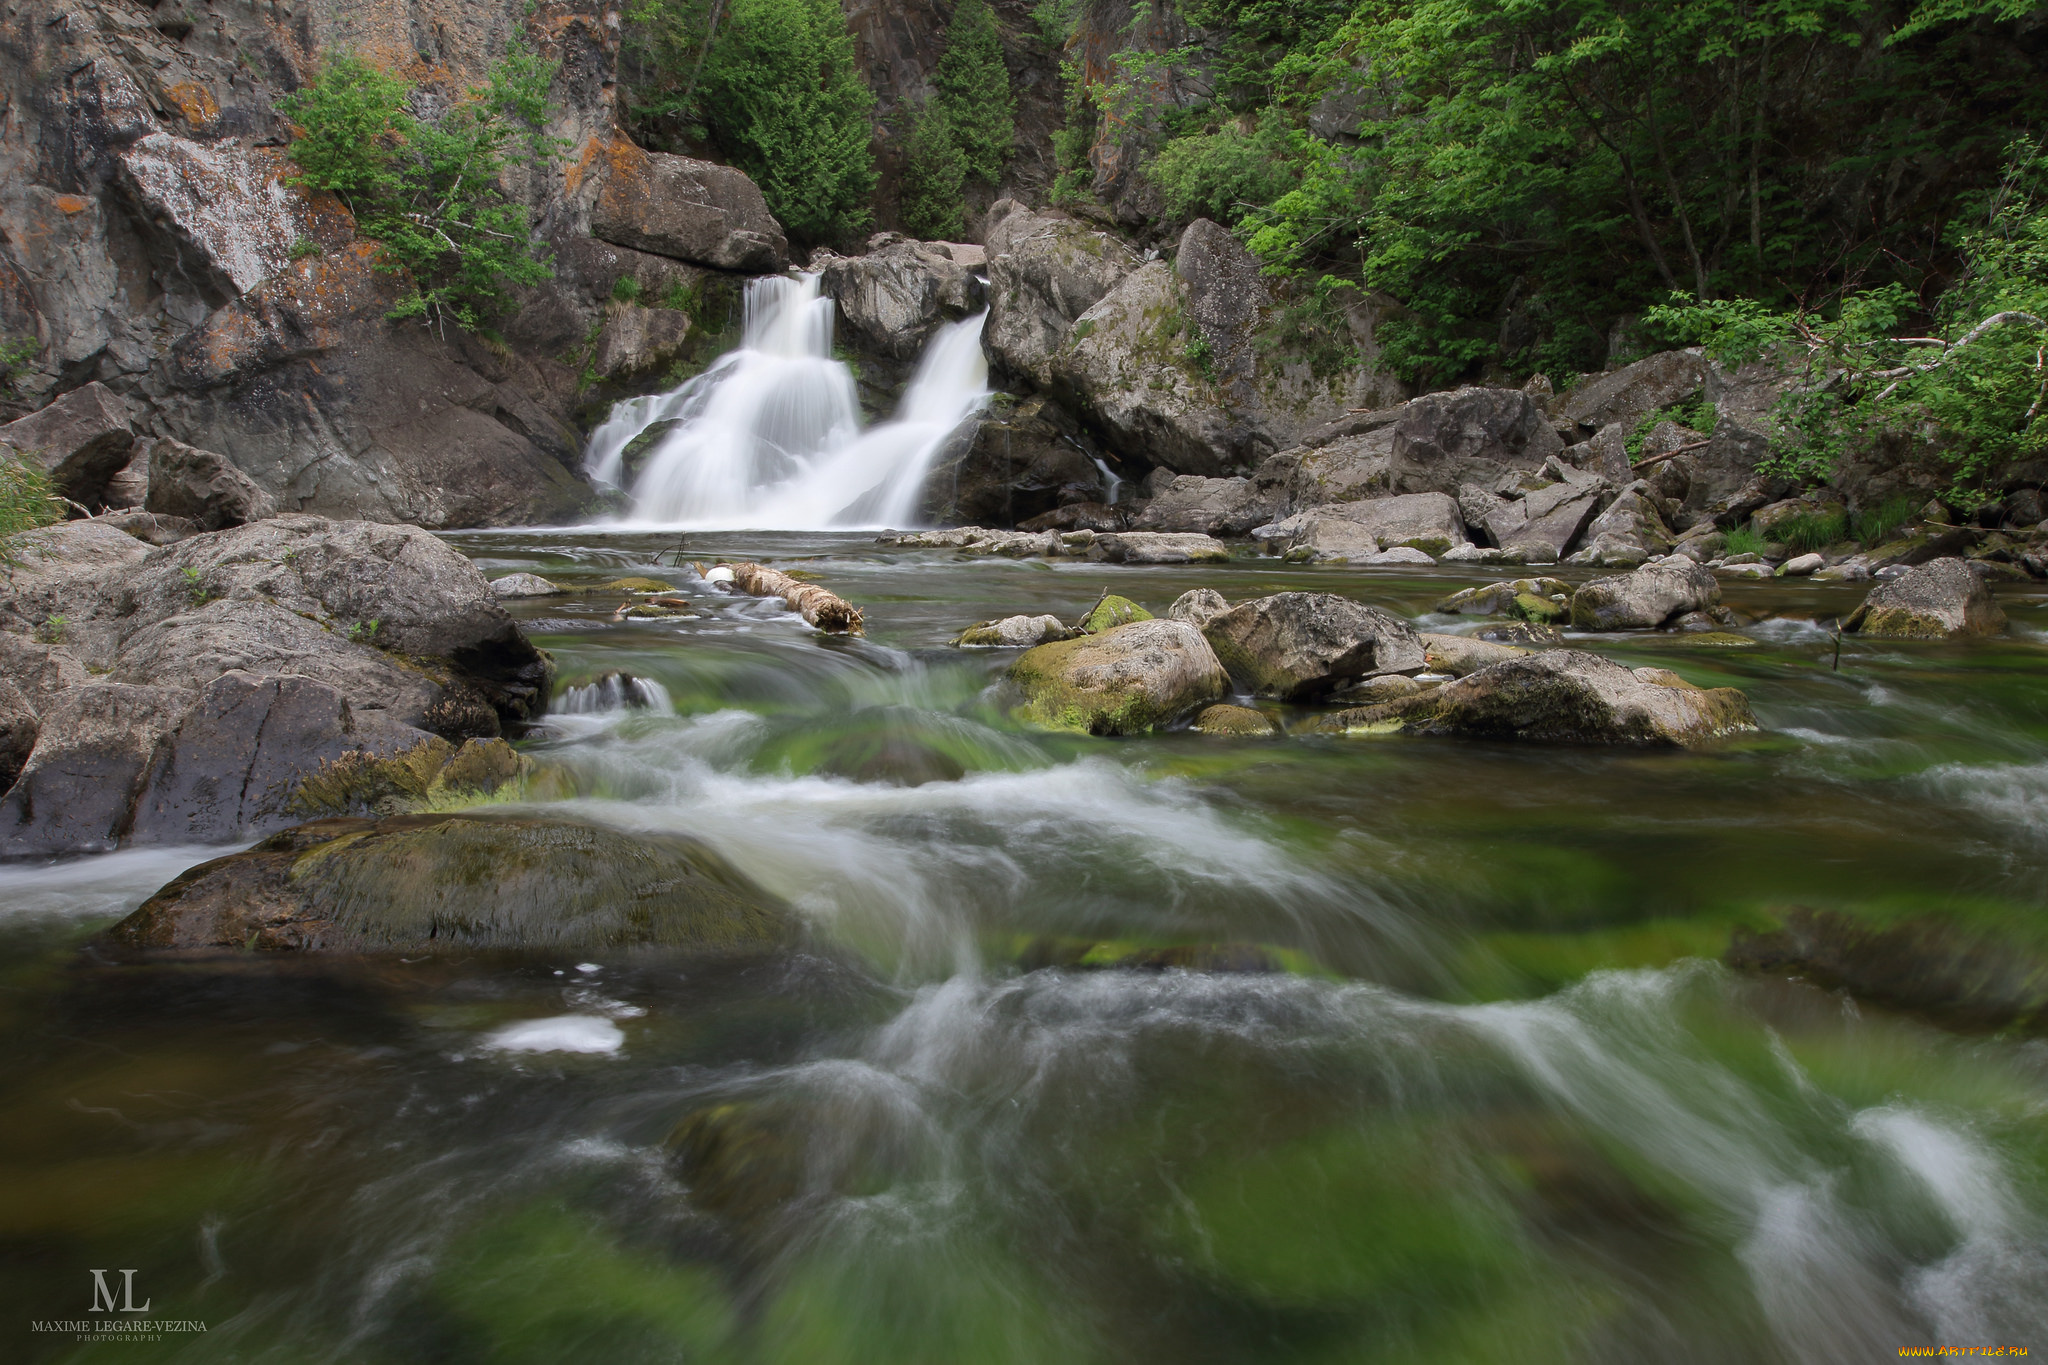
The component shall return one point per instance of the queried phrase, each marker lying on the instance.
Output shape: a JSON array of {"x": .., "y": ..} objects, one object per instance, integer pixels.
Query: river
[{"x": 1177, "y": 1049}]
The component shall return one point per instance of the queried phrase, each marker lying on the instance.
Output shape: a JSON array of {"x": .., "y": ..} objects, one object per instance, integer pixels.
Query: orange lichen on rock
[
  {"x": 195, "y": 103},
  {"x": 72, "y": 203}
]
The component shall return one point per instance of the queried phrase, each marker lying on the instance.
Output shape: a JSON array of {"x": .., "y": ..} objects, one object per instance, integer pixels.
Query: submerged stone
[
  {"x": 1235, "y": 720},
  {"x": 452, "y": 883}
]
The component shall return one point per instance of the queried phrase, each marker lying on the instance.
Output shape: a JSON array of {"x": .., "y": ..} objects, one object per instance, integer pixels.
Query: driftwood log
[{"x": 822, "y": 608}]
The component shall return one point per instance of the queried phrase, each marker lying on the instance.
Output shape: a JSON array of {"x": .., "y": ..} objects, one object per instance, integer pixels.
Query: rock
[
  {"x": 1158, "y": 547},
  {"x": 203, "y": 488},
  {"x": 1630, "y": 530},
  {"x": 93, "y": 751},
  {"x": 638, "y": 341},
  {"x": 1124, "y": 681},
  {"x": 1555, "y": 515},
  {"x": 1934, "y": 601},
  {"x": 1303, "y": 644},
  {"x": 1014, "y": 632},
  {"x": 18, "y": 727},
  {"x": 1459, "y": 655},
  {"x": 1085, "y": 516},
  {"x": 81, "y": 441},
  {"x": 1646, "y": 598},
  {"x": 691, "y": 210},
  {"x": 227, "y": 208},
  {"x": 1848, "y": 571},
  {"x": 977, "y": 540},
  {"x": 1522, "y": 634},
  {"x": 901, "y": 292},
  {"x": 1013, "y": 464},
  {"x": 1238, "y": 721},
  {"x": 1400, "y": 554},
  {"x": 1476, "y": 554},
  {"x": 1217, "y": 507},
  {"x": 40, "y": 670},
  {"x": 1537, "y": 599},
  {"x": 1627, "y": 394},
  {"x": 1564, "y": 696},
  {"x": 1384, "y": 687},
  {"x": 1429, "y": 522},
  {"x": 522, "y": 585},
  {"x": 1198, "y": 606},
  {"x": 1802, "y": 566},
  {"x": 151, "y": 528},
  {"x": 1045, "y": 271},
  {"x": 459, "y": 884},
  {"x": 1442, "y": 441},
  {"x": 1110, "y": 612}
]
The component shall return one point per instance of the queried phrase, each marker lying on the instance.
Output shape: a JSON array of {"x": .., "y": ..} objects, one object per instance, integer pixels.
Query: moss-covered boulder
[
  {"x": 1547, "y": 600},
  {"x": 1565, "y": 696},
  {"x": 425, "y": 883},
  {"x": 1112, "y": 611},
  {"x": 1239, "y": 721},
  {"x": 1937, "y": 601},
  {"x": 1124, "y": 681}
]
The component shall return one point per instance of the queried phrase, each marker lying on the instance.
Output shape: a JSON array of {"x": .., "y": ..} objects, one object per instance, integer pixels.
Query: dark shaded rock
[
  {"x": 18, "y": 727},
  {"x": 1627, "y": 394},
  {"x": 1011, "y": 465},
  {"x": 1124, "y": 681},
  {"x": 81, "y": 441},
  {"x": 93, "y": 752},
  {"x": 1304, "y": 644},
  {"x": 440, "y": 883},
  {"x": 1646, "y": 598},
  {"x": 1961, "y": 978},
  {"x": 691, "y": 210},
  {"x": 1938, "y": 600},
  {"x": 1085, "y": 516},
  {"x": 203, "y": 488},
  {"x": 1564, "y": 696}
]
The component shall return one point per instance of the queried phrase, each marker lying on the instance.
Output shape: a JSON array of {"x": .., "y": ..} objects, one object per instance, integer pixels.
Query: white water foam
[
  {"x": 562, "y": 1033},
  {"x": 770, "y": 435}
]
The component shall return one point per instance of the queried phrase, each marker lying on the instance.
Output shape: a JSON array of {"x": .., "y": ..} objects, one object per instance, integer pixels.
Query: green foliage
[
  {"x": 626, "y": 289},
  {"x": 1811, "y": 531},
  {"x": 364, "y": 632},
  {"x": 1696, "y": 415},
  {"x": 16, "y": 356},
  {"x": 427, "y": 190},
  {"x": 1074, "y": 178},
  {"x": 1228, "y": 172},
  {"x": 51, "y": 632},
  {"x": 25, "y": 503},
  {"x": 1873, "y": 526},
  {"x": 305, "y": 247},
  {"x": 973, "y": 91},
  {"x": 195, "y": 586},
  {"x": 682, "y": 298},
  {"x": 1744, "y": 540},
  {"x": 934, "y": 171}
]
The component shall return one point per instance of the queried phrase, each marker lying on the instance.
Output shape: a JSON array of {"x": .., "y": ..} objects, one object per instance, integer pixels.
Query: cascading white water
[
  {"x": 770, "y": 435},
  {"x": 611, "y": 693}
]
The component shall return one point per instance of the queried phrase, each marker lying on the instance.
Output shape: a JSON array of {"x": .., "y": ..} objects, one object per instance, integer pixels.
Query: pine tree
[
  {"x": 930, "y": 204},
  {"x": 974, "y": 90}
]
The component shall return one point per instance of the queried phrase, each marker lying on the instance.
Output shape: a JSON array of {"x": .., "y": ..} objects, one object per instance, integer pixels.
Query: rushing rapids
[
  {"x": 770, "y": 435},
  {"x": 1171, "y": 1049}
]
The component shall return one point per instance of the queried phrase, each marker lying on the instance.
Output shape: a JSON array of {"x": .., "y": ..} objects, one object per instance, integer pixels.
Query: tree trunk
[{"x": 818, "y": 606}]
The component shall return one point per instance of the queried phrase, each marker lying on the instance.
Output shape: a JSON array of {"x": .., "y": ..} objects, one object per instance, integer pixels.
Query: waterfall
[{"x": 769, "y": 437}]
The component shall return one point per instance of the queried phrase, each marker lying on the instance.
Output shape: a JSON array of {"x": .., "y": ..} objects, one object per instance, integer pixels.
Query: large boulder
[
  {"x": 1472, "y": 435},
  {"x": 93, "y": 752},
  {"x": 202, "y": 487},
  {"x": 81, "y": 441},
  {"x": 1216, "y": 507},
  {"x": 897, "y": 295},
  {"x": 459, "y": 884},
  {"x": 1429, "y": 522},
  {"x": 1016, "y": 461},
  {"x": 1630, "y": 531},
  {"x": 1123, "y": 681},
  {"x": 1939, "y": 600},
  {"x": 1296, "y": 645},
  {"x": 1044, "y": 271},
  {"x": 1647, "y": 597},
  {"x": 1564, "y": 696},
  {"x": 696, "y": 211},
  {"x": 1627, "y": 394}
]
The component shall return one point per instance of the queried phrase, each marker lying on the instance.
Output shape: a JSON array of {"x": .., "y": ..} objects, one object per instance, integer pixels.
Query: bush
[
  {"x": 782, "y": 97},
  {"x": 427, "y": 190},
  {"x": 935, "y": 169},
  {"x": 1225, "y": 174},
  {"x": 1744, "y": 540}
]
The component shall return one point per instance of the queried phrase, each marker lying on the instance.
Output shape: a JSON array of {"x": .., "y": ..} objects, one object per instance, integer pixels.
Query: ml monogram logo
[{"x": 103, "y": 1294}]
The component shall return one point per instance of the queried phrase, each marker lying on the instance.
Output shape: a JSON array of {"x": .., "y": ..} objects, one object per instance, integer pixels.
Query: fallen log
[{"x": 818, "y": 606}]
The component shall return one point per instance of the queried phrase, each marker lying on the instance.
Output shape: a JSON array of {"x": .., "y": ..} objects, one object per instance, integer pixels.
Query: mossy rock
[
  {"x": 1536, "y": 608},
  {"x": 639, "y": 585},
  {"x": 1111, "y": 612},
  {"x": 1124, "y": 681},
  {"x": 427, "y": 883},
  {"x": 1085, "y": 954},
  {"x": 1235, "y": 720},
  {"x": 432, "y": 774}
]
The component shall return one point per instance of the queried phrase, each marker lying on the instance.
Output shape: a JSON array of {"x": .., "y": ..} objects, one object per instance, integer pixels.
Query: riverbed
[{"x": 1176, "y": 1049}]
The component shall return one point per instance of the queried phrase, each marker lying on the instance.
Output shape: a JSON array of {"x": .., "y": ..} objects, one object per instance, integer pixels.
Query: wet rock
[
  {"x": 1459, "y": 655},
  {"x": 1013, "y": 632},
  {"x": 203, "y": 488},
  {"x": 1646, "y": 598},
  {"x": 1627, "y": 394},
  {"x": 1522, "y": 634},
  {"x": 690, "y": 210},
  {"x": 1384, "y": 687},
  {"x": 1429, "y": 522},
  {"x": 894, "y": 298},
  {"x": 440, "y": 883},
  {"x": 1553, "y": 519},
  {"x": 18, "y": 727},
  {"x": 1934, "y": 601},
  {"x": 1158, "y": 547},
  {"x": 514, "y": 585},
  {"x": 1234, "y": 721},
  {"x": 1546, "y": 599},
  {"x": 1125, "y": 681},
  {"x": 1304, "y": 644},
  {"x": 1564, "y": 696},
  {"x": 1045, "y": 270},
  {"x": 1110, "y": 612},
  {"x": 1013, "y": 464},
  {"x": 1801, "y": 566},
  {"x": 978, "y": 540},
  {"x": 1961, "y": 977},
  {"x": 1198, "y": 607},
  {"x": 81, "y": 441},
  {"x": 93, "y": 751},
  {"x": 1085, "y": 516},
  {"x": 889, "y": 758},
  {"x": 1216, "y": 507}
]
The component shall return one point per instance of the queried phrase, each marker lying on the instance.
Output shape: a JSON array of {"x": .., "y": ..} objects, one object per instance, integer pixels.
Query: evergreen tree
[
  {"x": 935, "y": 170},
  {"x": 974, "y": 91}
]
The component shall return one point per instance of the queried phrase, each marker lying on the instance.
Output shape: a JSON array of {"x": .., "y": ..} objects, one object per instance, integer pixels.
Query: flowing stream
[
  {"x": 1491, "y": 1098},
  {"x": 770, "y": 434}
]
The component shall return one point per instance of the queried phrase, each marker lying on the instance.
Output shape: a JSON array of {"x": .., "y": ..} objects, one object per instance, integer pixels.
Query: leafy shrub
[
  {"x": 1227, "y": 173},
  {"x": 934, "y": 172},
  {"x": 1698, "y": 415},
  {"x": 427, "y": 190},
  {"x": 626, "y": 289}
]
